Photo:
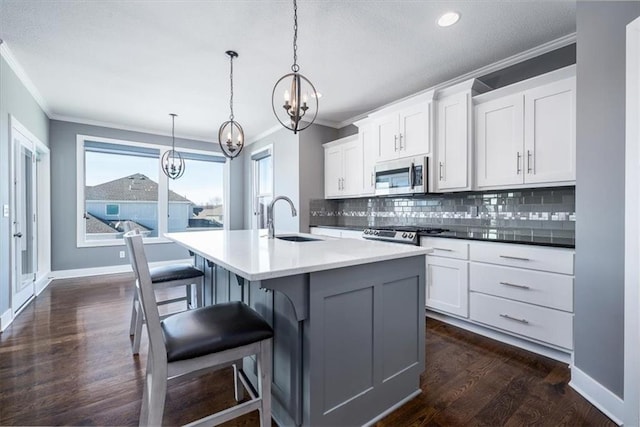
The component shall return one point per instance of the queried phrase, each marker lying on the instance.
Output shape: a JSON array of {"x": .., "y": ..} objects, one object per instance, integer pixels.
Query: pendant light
[
  {"x": 300, "y": 97},
  {"x": 230, "y": 134},
  {"x": 172, "y": 162}
]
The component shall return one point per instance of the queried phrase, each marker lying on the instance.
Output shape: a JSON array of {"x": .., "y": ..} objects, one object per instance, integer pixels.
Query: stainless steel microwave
[{"x": 402, "y": 176}]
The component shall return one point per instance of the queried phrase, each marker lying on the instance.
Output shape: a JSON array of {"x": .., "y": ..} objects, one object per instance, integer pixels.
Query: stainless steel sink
[{"x": 295, "y": 238}]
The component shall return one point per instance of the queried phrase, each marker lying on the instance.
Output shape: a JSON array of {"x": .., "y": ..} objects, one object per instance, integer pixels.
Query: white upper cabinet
[
  {"x": 369, "y": 158},
  {"x": 499, "y": 141},
  {"x": 343, "y": 168},
  {"x": 403, "y": 130},
  {"x": 527, "y": 137},
  {"x": 550, "y": 132},
  {"x": 453, "y": 152}
]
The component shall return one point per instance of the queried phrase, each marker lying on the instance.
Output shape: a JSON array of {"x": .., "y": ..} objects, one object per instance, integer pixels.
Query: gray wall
[
  {"x": 599, "y": 291},
  {"x": 298, "y": 165},
  {"x": 65, "y": 255},
  {"x": 347, "y": 131},
  {"x": 15, "y": 100},
  {"x": 312, "y": 168}
]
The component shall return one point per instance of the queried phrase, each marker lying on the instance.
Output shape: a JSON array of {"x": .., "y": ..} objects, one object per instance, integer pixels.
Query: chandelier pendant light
[
  {"x": 230, "y": 134},
  {"x": 172, "y": 162},
  {"x": 300, "y": 106}
]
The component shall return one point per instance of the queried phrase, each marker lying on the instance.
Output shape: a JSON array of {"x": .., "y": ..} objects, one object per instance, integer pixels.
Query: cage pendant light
[
  {"x": 300, "y": 106},
  {"x": 230, "y": 134},
  {"x": 172, "y": 162}
]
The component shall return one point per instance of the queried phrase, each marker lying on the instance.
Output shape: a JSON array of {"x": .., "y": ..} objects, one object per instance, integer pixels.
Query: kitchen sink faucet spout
[{"x": 270, "y": 213}]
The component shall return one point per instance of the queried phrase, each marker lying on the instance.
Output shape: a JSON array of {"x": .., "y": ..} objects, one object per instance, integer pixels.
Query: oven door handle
[{"x": 412, "y": 175}]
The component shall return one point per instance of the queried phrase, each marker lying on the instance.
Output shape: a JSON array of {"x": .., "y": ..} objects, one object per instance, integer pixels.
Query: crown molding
[
  {"x": 496, "y": 66},
  {"x": 119, "y": 126},
  {"x": 13, "y": 63}
]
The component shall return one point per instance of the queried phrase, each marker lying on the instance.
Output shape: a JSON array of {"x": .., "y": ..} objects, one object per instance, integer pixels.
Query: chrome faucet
[{"x": 270, "y": 213}]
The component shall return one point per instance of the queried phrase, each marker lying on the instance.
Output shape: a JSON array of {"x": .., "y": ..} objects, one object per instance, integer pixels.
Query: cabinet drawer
[
  {"x": 524, "y": 256},
  {"x": 543, "y": 324},
  {"x": 449, "y": 248},
  {"x": 535, "y": 287}
]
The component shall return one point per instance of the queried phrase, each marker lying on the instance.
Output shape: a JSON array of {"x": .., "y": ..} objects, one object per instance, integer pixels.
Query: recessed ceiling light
[{"x": 448, "y": 19}]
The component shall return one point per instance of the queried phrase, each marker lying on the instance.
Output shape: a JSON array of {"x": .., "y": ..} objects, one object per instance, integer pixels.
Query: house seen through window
[{"x": 124, "y": 183}]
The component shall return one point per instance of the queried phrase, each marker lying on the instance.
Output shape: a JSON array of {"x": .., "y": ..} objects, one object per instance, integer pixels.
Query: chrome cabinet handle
[
  {"x": 514, "y": 257},
  {"x": 440, "y": 171},
  {"x": 372, "y": 175},
  {"x": 518, "y": 163},
  {"x": 400, "y": 142},
  {"x": 443, "y": 249},
  {"x": 529, "y": 170},
  {"x": 513, "y": 285},
  {"x": 506, "y": 316},
  {"x": 395, "y": 142}
]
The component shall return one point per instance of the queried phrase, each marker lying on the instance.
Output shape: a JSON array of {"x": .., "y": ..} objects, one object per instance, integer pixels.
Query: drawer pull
[
  {"x": 513, "y": 285},
  {"x": 506, "y": 316},
  {"x": 443, "y": 249},
  {"x": 514, "y": 257}
]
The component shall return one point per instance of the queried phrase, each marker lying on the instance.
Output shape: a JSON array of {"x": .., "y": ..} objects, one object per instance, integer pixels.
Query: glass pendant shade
[
  {"x": 294, "y": 102},
  {"x": 231, "y": 134},
  {"x": 171, "y": 161}
]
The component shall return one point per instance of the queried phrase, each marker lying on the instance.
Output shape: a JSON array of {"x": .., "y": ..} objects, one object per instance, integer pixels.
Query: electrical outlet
[{"x": 121, "y": 254}]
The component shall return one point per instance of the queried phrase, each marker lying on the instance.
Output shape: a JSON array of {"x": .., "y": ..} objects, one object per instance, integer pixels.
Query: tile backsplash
[{"x": 540, "y": 209}]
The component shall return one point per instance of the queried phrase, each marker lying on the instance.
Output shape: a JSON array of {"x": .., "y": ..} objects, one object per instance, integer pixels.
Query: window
[
  {"x": 262, "y": 185},
  {"x": 122, "y": 181},
  {"x": 196, "y": 200},
  {"x": 113, "y": 210}
]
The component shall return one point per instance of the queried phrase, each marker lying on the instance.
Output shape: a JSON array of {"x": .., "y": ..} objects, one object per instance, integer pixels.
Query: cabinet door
[
  {"x": 332, "y": 171},
  {"x": 550, "y": 139},
  {"x": 386, "y": 135},
  {"x": 352, "y": 168},
  {"x": 369, "y": 157},
  {"x": 413, "y": 138},
  {"x": 448, "y": 285},
  {"x": 452, "y": 147},
  {"x": 499, "y": 141}
]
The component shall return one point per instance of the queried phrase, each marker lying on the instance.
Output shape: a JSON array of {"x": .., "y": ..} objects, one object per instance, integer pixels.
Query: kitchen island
[{"x": 348, "y": 318}]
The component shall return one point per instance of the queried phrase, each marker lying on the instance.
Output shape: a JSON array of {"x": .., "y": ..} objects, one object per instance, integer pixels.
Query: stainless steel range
[{"x": 407, "y": 235}]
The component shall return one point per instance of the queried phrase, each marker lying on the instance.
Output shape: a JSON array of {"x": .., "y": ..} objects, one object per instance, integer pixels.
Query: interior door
[{"x": 24, "y": 221}]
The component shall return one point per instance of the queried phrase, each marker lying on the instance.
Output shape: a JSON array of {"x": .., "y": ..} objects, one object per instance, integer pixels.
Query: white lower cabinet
[
  {"x": 531, "y": 321},
  {"x": 447, "y": 276},
  {"x": 520, "y": 290}
]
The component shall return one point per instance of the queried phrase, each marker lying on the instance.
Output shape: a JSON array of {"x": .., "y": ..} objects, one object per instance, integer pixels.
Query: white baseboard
[
  {"x": 42, "y": 282},
  {"x": 6, "y": 319},
  {"x": 599, "y": 396},
  {"x": 112, "y": 269}
]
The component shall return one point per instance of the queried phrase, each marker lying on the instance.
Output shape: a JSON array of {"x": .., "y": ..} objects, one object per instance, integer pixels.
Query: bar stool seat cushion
[
  {"x": 169, "y": 273},
  {"x": 212, "y": 329}
]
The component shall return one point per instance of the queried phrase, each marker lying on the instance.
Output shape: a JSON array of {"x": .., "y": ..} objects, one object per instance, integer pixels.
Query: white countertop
[{"x": 250, "y": 254}]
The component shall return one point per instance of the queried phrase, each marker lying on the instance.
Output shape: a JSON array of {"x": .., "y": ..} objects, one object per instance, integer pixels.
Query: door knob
[{"x": 18, "y": 234}]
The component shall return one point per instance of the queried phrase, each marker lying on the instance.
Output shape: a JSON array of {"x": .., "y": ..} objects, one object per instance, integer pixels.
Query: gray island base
[{"x": 348, "y": 343}]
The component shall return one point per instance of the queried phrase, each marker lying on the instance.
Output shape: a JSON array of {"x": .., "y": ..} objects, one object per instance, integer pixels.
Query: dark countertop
[{"x": 518, "y": 236}]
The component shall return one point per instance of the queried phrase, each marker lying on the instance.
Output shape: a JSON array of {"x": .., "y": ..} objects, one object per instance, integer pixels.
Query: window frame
[
  {"x": 163, "y": 190},
  {"x": 255, "y": 157}
]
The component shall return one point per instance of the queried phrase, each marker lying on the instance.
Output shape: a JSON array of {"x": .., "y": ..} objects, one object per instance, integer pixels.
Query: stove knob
[
  {"x": 410, "y": 235},
  {"x": 404, "y": 235},
  {"x": 376, "y": 232},
  {"x": 366, "y": 231}
]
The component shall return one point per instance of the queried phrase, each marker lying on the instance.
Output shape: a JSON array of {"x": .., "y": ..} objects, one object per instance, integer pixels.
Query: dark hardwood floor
[{"x": 66, "y": 359}]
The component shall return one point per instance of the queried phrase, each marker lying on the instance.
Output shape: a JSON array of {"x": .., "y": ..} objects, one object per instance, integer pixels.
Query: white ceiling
[{"x": 130, "y": 63}]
